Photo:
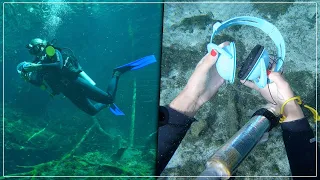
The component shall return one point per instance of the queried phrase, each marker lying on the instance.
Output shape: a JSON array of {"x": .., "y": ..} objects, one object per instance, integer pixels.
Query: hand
[
  {"x": 25, "y": 76},
  {"x": 277, "y": 93},
  {"x": 201, "y": 87},
  {"x": 32, "y": 67}
]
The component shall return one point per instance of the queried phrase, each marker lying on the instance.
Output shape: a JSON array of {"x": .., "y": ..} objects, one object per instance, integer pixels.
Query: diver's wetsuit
[
  {"x": 173, "y": 128},
  {"x": 75, "y": 88},
  {"x": 80, "y": 92},
  {"x": 301, "y": 153},
  {"x": 296, "y": 136}
]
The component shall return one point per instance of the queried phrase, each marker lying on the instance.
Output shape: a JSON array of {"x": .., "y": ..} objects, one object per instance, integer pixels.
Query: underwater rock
[
  {"x": 271, "y": 11},
  {"x": 197, "y": 127},
  {"x": 117, "y": 156},
  {"x": 200, "y": 22}
]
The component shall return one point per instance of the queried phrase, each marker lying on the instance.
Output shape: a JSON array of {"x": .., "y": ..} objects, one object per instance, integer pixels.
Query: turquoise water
[{"x": 40, "y": 129}]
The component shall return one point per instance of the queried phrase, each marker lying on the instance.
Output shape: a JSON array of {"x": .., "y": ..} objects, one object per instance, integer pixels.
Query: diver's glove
[
  {"x": 25, "y": 76},
  {"x": 30, "y": 67}
]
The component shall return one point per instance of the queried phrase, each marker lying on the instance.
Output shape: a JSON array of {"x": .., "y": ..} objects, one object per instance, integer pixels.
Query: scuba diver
[{"x": 59, "y": 70}]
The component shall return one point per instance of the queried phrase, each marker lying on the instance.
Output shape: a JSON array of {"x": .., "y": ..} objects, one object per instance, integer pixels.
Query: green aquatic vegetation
[
  {"x": 88, "y": 165},
  {"x": 74, "y": 162},
  {"x": 24, "y": 136}
]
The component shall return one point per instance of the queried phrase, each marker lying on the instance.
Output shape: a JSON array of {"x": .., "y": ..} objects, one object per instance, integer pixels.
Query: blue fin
[
  {"x": 137, "y": 64},
  {"x": 115, "y": 110}
]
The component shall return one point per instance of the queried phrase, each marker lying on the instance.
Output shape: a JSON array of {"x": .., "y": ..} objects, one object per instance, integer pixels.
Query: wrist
[
  {"x": 293, "y": 111},
  {"x": 185, "y": 104},
  {"x": 40, "y": 66}
]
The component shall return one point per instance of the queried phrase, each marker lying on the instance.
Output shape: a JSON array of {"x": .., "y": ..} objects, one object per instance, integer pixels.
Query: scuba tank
[
  {"x": 51, "y": 51},
  {"x": 86, "y": 77}
]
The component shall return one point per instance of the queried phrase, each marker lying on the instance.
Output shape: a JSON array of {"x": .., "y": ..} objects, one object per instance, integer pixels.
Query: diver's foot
[{"x": 116, "y": 74}]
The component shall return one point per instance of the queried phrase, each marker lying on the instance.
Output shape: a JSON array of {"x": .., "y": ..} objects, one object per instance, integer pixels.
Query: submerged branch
[
  {"x": 35, "y": 134},
  {"x": 77, "y": 146},
  {"x": 96, "y": 122},
  {"x": 36, "y": 168}
]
